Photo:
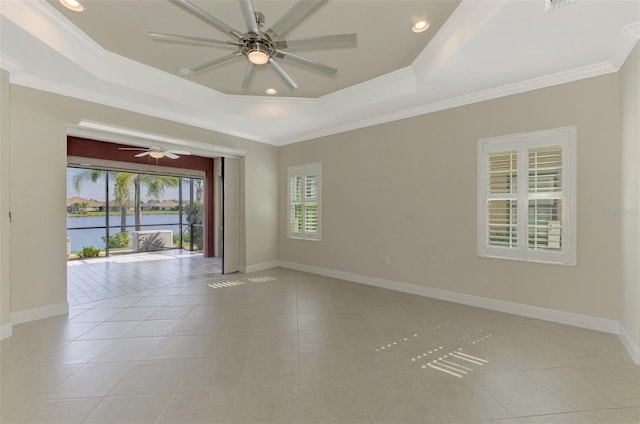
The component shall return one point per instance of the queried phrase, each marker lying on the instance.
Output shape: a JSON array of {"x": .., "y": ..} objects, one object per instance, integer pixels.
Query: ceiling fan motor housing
[{"x": 252, "y": 43}]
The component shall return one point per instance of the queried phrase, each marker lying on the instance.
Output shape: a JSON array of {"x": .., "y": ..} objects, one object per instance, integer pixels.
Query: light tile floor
[
  {"x": 89, "y": 280},
  {"x": 287, "y": 347}
]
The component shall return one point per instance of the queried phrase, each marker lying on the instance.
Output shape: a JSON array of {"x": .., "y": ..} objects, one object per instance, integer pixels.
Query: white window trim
[
  {"x": 567, "y": 137},
  {"x": 305, "y": 170}
]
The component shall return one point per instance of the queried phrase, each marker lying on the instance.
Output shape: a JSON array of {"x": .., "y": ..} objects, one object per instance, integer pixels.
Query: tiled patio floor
[{"x": 91, "y": 280}]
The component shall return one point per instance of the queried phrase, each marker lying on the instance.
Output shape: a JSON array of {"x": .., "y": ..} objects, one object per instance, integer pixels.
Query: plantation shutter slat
[
  {"x": 503, "y": 172},
  {"x": 295, "y": 204},
  {"x": 311, "y": 204},
  {"x": 502, "y": 186},
  {"x": 544, "y": 229},
  {"x": 545, "y": 169}
]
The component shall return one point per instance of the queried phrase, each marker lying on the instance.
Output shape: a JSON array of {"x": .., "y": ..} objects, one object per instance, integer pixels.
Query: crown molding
[
  {"x": 8, "y": 64},
  {"x": 633, "y": 30},
  {"x": 395, "y": 84},
  {"x": 141, "y": 107},
  {"x": 337, "y": 99},
  {"x": 629, "y": 36},
  {"x": 494, "y": 93}
]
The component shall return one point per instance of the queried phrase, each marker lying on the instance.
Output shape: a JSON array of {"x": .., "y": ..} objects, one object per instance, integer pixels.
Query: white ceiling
[{"x": 475, "y": 51}]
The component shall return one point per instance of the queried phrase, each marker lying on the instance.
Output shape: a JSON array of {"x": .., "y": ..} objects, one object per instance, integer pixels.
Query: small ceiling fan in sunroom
[{"x": 156, "y": 152}]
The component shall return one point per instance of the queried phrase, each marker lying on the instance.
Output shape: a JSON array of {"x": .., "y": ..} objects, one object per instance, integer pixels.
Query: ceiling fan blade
[
  {"x": 249, "y": 16},
  {"x": 291, "y": 17},
  {"x": 139, "y": 155},
  {"x": 206, "y": 16},
  {"x": 214, "y": 62},
  {"x": 187, "y": 39},
  {"x": 178, "y": 152},
  {"x": 316, "y": 66},
  {"x": 321, "y": 41},
  {"x": 171, "y": 155},
  {"x": 248, "y": 75},
  {"x": 132, "y": 148},
  {"x": 283, "y": 74}
]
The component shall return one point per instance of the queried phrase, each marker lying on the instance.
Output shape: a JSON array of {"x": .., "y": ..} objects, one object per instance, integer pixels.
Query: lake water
[{"x": 93, "y": 237}]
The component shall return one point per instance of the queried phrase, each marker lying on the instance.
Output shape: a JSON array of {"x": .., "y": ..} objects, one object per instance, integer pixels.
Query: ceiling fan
[
  {"x": 157, "y": 152},
  {"x": 258, "y": 46}
]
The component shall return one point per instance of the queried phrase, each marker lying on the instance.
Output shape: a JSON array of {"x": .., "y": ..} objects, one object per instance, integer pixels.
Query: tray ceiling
[{"x": 474, "y": 51}]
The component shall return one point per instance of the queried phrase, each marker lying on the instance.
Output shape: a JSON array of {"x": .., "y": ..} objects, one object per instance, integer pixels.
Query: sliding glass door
[{"x": 111, "y": 212}]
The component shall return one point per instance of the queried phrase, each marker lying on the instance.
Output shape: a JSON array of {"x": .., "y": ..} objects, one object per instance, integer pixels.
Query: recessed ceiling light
[
  {"x": 72, "y": 5},
  {"x": 271, "y": 91},
  {"x": 420, "y": 26}
]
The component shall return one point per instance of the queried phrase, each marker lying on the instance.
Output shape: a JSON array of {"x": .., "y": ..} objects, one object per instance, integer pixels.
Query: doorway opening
[{"x": 176, "y": 233}]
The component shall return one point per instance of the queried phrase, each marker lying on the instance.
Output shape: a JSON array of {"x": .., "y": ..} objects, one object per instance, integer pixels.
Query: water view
[{"x": 94, "y": 237}]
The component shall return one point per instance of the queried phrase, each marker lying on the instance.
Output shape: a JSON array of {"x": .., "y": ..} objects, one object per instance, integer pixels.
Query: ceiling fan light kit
[
  {"x": 156, "y": 155},
  {"x": 257, "y": 52},
  {"x": 156, "y": 152},
  {"x": 261, "y": 47}
]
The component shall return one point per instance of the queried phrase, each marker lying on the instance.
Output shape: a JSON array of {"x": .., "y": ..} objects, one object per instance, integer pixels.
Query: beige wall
[
  {"x": 261, "y": 180},
  {"x": 38, "y": 183},
  {"x": 630, "y": 206},
  {"x": 406, "y": 191},
  {"x": 4, "y": 199}
]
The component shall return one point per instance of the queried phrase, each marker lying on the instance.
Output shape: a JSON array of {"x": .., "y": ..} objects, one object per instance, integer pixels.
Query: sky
[{"x": 95, "y": 191}]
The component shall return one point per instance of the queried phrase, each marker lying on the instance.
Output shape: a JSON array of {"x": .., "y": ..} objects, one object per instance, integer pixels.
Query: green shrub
[
  {"x": 118, "y": 240},
  {"x": 185, "y": 239},
  {"x": 89, "y": 252},
  {"x": 195, "y": 231}
]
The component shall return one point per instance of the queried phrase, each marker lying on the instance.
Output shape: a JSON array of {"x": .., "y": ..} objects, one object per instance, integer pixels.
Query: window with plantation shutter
[
  {"x": 526, "y": 196},
  {"x": 304, "y": 193}
]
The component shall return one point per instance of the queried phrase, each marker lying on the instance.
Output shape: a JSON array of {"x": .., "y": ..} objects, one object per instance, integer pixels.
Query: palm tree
[
  {"x": 199, "y": 186},
  {"x": 121, "y": 187},
  {"x": 156, "y": 184}
]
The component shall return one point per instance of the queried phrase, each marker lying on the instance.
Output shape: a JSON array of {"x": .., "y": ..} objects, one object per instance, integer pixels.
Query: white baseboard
[
  {"x": 35, "y": 314},
  {"x": 553, "y": 315},
  {"x": 630, "y": 344},
  {"x": 6, "y": 331},
  {"x": 259, "y": 267}
]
